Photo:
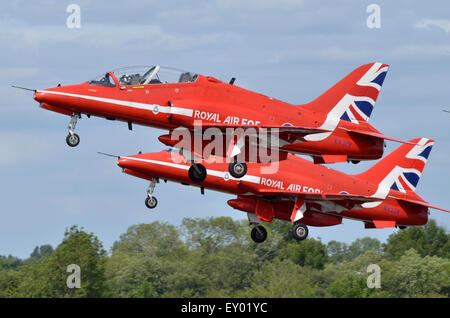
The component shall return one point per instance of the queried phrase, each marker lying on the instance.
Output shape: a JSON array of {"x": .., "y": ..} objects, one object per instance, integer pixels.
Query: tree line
[{"x": 214, "y": 257}]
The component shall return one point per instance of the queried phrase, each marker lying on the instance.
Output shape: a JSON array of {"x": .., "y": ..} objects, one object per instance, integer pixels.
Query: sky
[{"x": 292, "y": 50}]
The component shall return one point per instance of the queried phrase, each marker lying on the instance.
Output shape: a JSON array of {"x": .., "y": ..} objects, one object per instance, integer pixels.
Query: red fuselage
[
  {"x": 294, "y": 176},
  {"x": 210, "y": 101}
]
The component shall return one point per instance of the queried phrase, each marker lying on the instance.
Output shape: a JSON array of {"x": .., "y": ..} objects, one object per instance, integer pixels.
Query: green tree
[
  {"x": 338, "y": 251},
  {"x": 41, "y": 251},
  {"x": 350, "y": 286},
  {"x": 416, "y": 276},
  {"x": 430, "y": 239},
  {"x": 10, "y": 262},
  {"x": 48, "y": 277},
  {"x": 212, "y": 233},
  {"x": 9, "y": 283},
  {"x": 309, "y": 252},
  {"x": 363, "y": 245},
  {"x": 134, "y": 276},
  {"x": 279, "y": 279},
  {"x": 154, "y": 239}
]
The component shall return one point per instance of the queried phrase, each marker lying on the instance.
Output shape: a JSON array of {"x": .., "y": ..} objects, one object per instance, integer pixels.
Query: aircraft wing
[
  {"x": 312, "y": 196},
  {"x": 376, "y": 135},
  {"x": 422, "y": 203},
  {"x": 293, "y": 129},
  {"x": 296, "y": 129}
]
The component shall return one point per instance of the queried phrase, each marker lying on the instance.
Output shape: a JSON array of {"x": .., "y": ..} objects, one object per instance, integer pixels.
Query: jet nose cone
[
  {"x": 123, "y": 162},
  {"x": 39, "y": 96}
]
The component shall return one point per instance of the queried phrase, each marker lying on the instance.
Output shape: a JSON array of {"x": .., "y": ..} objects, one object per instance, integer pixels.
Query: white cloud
[{"x": 439, "y": 23}]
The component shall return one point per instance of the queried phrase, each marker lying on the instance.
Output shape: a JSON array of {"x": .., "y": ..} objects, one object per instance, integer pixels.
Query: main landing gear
[
  {"x": 72, "y": 138},
  {"x": 151, "y": 202},
  {"x": 237, "y": 169},
  {"x": 299, "y": 231},
  {"x": 259, "y": 233},
  {"x": 197, "y": 172}
]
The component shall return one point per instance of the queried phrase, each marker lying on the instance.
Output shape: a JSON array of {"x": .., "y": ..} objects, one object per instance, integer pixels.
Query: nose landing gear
[
  {"x": 72, "y": 138},
  {"x": 151, "y": 202}
]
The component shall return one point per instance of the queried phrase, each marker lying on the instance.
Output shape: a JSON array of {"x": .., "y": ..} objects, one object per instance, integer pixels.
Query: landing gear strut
[
  {"x": 299, "y": 231},
  {"x": 237, "y": 169},
  {"x": 72, "y": 138},
  {"x": 151, "y": 202},
  {"x": 258, "y": 234}
]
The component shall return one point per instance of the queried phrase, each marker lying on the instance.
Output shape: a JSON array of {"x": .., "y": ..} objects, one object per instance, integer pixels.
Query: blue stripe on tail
[{"x": 380, "y": 78}]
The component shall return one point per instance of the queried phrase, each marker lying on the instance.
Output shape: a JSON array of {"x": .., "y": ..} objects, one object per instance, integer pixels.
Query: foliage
[
  {"x": 41, "y": 251},
  {"x": 429, "y": 240},
  {"x": 10, "y": 262},
  {"x": 339, "y": 252},
  {"x": 214, "y": 257},
  {"x": 48, "y": 276}
]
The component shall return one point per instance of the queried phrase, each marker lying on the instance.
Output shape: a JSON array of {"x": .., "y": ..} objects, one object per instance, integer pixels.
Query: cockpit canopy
[{"x": 143, "y": 75}]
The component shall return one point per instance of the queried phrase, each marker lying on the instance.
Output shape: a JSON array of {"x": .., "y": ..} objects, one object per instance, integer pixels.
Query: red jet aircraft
[
  {"x": 302, "y": 192},
  {"x": 332, "y": 128}
]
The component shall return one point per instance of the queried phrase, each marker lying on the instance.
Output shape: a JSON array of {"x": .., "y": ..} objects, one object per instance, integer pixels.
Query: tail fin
[
  {"x": 401, "y": 169},
  {"x": 353, "y": 98}
]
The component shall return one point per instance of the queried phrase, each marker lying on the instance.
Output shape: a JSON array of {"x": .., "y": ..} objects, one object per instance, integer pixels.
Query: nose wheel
[
  {"x": 150, "y": 201},
  {"x": 72, "y": 138}
]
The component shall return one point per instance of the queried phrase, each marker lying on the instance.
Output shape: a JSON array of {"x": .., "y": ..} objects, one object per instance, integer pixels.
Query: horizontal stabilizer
[
  {"x": 422, "y": 203},
  {"x": 377, "y": 135}
]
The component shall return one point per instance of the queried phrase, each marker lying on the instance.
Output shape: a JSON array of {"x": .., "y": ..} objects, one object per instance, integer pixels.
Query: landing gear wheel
[
  {"x": 73, "y": 140},
  {"x": 355, "y": 161},
  {"x": 237, "y": 169},
  {"x": 258, "y": 234},
  {"x": 151, "y": 202},
  {"x": 197, "y": 172},
  {"x": 300, "y": 231}
]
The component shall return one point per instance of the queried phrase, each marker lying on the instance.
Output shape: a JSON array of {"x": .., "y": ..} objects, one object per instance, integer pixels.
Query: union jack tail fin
[
  {"x": 401, "y": 169},
  {"x": 352, "y": 98}
]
